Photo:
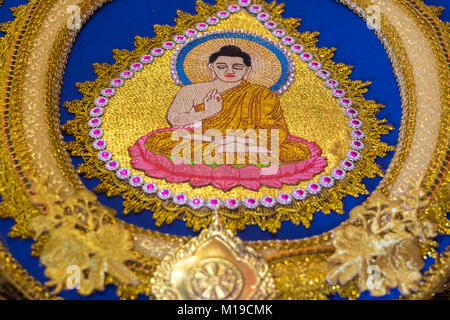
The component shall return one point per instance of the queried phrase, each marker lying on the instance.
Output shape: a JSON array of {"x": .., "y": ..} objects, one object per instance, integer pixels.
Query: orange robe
[{"x": 247, "y": 106}]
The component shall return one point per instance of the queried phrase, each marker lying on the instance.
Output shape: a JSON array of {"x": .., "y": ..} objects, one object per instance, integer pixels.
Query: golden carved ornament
[
  {"x": 381, "y": 243},
  {"x": 16, "y": 205},
  {"x": 214, "y": 265},
  {"x": 79, "y": 233}
]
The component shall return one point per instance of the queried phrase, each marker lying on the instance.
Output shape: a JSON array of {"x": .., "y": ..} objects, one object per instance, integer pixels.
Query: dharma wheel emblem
[
  {"x": 215, "y": 279},
  {"x": 216, "y": 265}
]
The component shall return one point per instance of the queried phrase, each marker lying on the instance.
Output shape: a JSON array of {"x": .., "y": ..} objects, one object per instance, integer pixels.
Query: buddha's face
[{"x": 229, "y": 69}]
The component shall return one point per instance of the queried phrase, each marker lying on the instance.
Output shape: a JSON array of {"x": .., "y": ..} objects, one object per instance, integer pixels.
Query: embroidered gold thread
[
  {"x": 434, "y": 279},
  {"x": 286, "y": 245},
  {"x": 267, "y": 219},
  {"x": 20, "y": 278},
  {"x": 440, "y": 205},
  {"x": 144, "y": 100},
  {"x": 13, "y": 192},
  {"x": 56, "y": 61},
  {"x": 14, "y": 197}
]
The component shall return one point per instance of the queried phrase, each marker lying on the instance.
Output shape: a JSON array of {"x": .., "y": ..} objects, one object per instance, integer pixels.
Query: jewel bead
[
  {"x": 201, "y": 26},
  {"x": 350, "y": 112},
  {"x": 314, "y": 65},
  {"x": 353, "y": 155},
  {"x": 96, "y": 112},
  {"x": 157, "y": 52},
  {"x": 338, "y": 174},
  {"x": 196, "y": 203},
  {"x": 136, "y": 67},
  {"x": 108, "y": 92},
  {"x": 164, "y": 194},
  {"x": 262, "y": 17},
  {"x": 212, "y": 21},
  {"x": 136, "y": 181},
  {"x": 255, "y": 8},
  {"x": 323, "y": 74},
  {"x": 278, "y": 33},
  {"x": 347, "y": 165},
  {"x": 99, "y": 144},
  {"x": 190, "y": 33},
  {"x": 112, "y": 165},
  {"x": 299, "y": 194},
  {"x": 287, "y": 41},
  {"x": 180, "y": 199},
  {"x": 284, "y": 198},
  {"x": 146, "y": 59},
  {"x": 233, "y": 8},
  {"x": 326, "y": 181},
  {"x": 338, "y": 93},
  {"x": 213, "y": 203},
  {"x": 223, "y": 14},
  {"x": 331, "y": 83},
  {"x": 104, "y": 155},
  {"x": 251, "y": 203},
  {"x": 168, "y": 45},
  {"x": 150, "y": 188},
  {"x": 231, "y": 204},
  {"x": 313, "y": 188},
  {"x": 268, "y": 202},
  {"x": 95, "y": 122},
  {"x": 116, "y": 83},
  {"x": 96, "y": 133},
  {"x": 179, "y": 39},
  {"x": 123, "y": 173},
  {"x": 244, "y": 3},
  {"x": 355, "y": 123},
  {"x": 306, "y": 56},
  {"x": 357, "y": 145},
  {"x": 127, "y": 74},
  {"x": 270, "y": 25},
  {"x": 357, "y": 134},
  {"x": 297, "y": 48},
  {"x": 345, "y": 102}
]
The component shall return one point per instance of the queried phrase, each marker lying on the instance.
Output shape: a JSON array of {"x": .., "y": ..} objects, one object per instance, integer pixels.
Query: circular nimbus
[{"x": 272, "y": 66}]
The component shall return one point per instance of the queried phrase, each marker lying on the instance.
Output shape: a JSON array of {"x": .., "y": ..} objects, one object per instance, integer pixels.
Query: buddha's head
[{"x": 230, "y": 64}]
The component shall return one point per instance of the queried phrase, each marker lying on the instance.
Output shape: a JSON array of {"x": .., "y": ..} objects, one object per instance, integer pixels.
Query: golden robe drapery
[{"x": 247, "y": 106}]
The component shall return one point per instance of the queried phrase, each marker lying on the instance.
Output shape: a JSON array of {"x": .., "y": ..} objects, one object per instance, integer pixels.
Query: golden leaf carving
[
  {"x": 80, "y": 233},
  {"x": 381, "y": 246}
]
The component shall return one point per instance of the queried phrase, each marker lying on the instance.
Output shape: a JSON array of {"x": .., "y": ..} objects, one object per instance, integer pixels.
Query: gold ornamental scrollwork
[
  {"x": 215, "y": 265},
  {"x": 77, "y": 232},
  {"x": 382, "y": 245},
  {"x": 412, "y": 233}
]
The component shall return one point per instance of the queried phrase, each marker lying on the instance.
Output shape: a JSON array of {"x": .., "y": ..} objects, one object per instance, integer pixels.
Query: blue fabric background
[{"x": 116, "y": 24}]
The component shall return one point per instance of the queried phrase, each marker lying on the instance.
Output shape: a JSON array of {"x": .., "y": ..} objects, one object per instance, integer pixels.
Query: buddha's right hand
[{"x": 213, "y": 102}]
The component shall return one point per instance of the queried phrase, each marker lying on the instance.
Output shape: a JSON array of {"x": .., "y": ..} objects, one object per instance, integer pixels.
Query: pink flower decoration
[{"x": 225, "y": 177}]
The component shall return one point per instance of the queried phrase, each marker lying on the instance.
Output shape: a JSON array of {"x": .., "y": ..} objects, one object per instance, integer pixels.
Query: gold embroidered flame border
[
  {"x": 335, "y": 142},
  {"x": 299, "y": 268}
]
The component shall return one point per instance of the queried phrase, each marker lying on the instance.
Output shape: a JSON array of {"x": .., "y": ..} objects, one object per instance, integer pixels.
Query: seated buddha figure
[{"x": 227, "y": 103}]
